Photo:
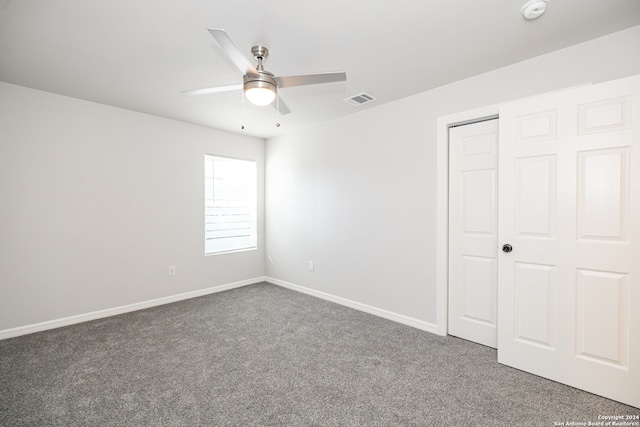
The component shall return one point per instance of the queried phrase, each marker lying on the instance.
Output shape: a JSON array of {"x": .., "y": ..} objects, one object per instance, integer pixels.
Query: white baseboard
[
  {"x": 71, "y": 320},
  {"x": 57, "y": 323},
  {"x": 405, "y": 320}
]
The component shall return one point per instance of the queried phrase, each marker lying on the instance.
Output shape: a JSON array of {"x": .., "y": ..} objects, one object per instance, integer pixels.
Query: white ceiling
[{"x": 139, "y": 54}]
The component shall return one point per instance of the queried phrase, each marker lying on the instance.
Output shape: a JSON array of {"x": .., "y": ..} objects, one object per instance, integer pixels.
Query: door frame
[
  {"x": 442, "y": 203},
  {"x": 442, "y": 197}
]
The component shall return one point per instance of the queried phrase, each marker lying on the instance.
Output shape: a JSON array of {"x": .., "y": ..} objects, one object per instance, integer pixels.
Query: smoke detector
[{"x": 534, "y": 8}]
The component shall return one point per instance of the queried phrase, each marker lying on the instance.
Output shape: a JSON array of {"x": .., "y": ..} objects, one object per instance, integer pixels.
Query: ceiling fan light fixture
[{"x": 260, "y": 92}]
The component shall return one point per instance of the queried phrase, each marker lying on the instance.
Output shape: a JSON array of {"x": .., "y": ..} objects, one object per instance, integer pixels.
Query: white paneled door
[
  {"x": 473, "y": 231},
  {"x": 569, "y": 205}
]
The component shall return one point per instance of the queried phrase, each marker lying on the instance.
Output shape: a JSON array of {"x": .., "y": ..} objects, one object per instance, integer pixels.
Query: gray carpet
[{"x": 262, "y": 355}]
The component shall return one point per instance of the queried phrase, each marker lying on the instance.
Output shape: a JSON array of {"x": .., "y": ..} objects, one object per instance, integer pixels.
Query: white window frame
[{"x": 230, "y": 187}]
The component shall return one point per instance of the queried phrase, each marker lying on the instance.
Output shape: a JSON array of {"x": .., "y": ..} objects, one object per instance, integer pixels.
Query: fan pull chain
[
  {"x": 242, "y": 113},
  {"x": 277, "y": 110}
]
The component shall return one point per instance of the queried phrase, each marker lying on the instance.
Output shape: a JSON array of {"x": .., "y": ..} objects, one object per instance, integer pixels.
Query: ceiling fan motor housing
[{"x": 264, "y": 79}]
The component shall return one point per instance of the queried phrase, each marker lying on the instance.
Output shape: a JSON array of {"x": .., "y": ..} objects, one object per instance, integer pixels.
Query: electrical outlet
[
  {"x": 311, "y": 265},
  {"x": 172, "y": 270}
]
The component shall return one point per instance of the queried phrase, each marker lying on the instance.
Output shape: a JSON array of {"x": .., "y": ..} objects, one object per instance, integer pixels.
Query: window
[{"x": 230, "y": 204}]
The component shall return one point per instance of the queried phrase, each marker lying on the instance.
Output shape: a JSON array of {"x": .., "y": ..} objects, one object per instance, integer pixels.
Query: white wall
[
  {"x": 96, "y": 202},
  {"x": 357, "y": 195}
]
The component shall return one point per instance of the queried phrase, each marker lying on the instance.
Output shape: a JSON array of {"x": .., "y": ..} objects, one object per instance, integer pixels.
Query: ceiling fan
[{"x": 259, "y": 85}]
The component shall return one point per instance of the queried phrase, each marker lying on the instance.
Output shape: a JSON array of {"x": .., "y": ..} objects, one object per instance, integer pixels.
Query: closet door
[
  {"x": 473, "y": 231},
  {"x": 569, "y": 206}
]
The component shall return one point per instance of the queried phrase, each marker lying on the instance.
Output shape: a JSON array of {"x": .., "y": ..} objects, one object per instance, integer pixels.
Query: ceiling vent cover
[{"x": 360, "y": 99}]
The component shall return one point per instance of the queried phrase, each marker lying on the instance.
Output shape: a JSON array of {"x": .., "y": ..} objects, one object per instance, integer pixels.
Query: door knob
[{"x": 507, "y": 248}]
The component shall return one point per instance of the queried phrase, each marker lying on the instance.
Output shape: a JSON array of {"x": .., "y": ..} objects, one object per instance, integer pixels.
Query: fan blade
[
  {"x": 310, "y": 79},
  {"x": 232, "y": 51},
  {"x": 281, "y": 106},
  {"x": 208, "y": 90}
]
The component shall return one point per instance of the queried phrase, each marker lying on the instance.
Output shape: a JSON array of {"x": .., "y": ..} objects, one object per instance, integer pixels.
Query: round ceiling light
[
  {"x": 534, "y": 8},
  {"x": 259, "y": 96}
]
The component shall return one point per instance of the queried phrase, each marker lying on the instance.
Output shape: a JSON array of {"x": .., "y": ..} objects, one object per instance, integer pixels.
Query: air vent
[{"x": 360, "y": 99}]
